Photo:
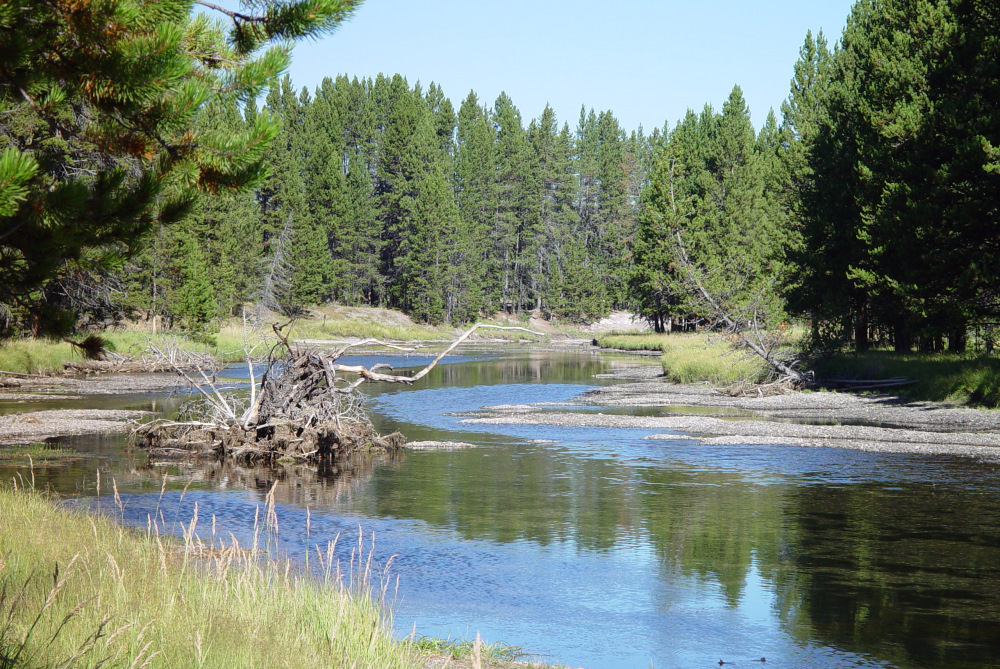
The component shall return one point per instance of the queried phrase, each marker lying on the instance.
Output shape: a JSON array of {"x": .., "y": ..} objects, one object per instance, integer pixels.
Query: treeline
[
  {"x": 897, "y": 177},
  {"x": 872, "y": 211},
  {"x": 869, "y": 208},
  {"x": 381, "y": 193}
]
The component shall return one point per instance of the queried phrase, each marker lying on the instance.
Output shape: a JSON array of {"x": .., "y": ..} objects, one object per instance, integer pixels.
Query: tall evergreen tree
[
  {"x": 99, "y": 145},
  {"x": 892, "y": 228},
  {"x": 506, "y": 280},
  {"x": 476, "y": 196}
]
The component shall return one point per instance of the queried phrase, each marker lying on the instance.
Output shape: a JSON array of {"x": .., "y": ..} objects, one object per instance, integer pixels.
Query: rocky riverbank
[{"x": 868, "y": 422}]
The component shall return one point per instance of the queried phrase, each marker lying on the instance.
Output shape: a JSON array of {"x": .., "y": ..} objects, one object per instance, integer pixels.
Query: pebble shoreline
[{"x": 877, "y": 423}]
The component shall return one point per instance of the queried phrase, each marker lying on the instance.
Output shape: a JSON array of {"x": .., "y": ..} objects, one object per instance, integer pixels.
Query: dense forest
[
  {"x": 382, "y": 193},
  {"x": 866, "y": 208}
]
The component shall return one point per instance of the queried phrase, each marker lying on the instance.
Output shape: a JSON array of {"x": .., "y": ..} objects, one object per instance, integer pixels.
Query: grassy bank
[
  {"x": 335, "y": 322},
  {"x": 939, "y": 377},
  {"x": 41, "y": 356},
  {"x": 30, "y": 356},
  {"x": 689, "y": 357},
  {"x": 78, "y": 590}
]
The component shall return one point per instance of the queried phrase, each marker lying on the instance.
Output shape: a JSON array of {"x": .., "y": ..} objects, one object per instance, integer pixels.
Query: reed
[{"x": 77, "y": 590}]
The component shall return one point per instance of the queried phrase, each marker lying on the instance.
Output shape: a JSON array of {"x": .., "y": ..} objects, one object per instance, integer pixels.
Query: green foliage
[
  {"x": 100, "y": 143},
  {"x": 690, "y": 357},
  {"x": 899, "y": 202},
  {"x": 711, "y": 199},
  {"x": 633, "y": 341},
  {"x": 698, "y": 358},
  {"x": 27, "y": 456},
  {"x": 460, "y": 649},
  {"x": 968, "y": 380}
]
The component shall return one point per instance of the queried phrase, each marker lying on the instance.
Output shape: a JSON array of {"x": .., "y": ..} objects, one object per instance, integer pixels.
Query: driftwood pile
[{"x": 303, "y": 409}]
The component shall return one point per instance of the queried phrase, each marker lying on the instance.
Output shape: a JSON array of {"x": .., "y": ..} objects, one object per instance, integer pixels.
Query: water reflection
[{"x": 605, "y": 550}]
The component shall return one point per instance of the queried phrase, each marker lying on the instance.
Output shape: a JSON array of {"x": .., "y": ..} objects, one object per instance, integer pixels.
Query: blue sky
[{"x": 647, "y": 61}]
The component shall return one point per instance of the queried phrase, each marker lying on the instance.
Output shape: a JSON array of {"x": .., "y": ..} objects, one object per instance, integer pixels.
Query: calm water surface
[{"x": 593, "y": 547}]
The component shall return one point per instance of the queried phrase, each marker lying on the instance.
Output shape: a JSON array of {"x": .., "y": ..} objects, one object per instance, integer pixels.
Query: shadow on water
[{"x": 595, "y": 547}]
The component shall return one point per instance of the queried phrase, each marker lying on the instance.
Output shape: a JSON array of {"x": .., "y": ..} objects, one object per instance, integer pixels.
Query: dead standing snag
[
  {"x": 748, "y": 327},
  {"x": 303, "y": 408}
]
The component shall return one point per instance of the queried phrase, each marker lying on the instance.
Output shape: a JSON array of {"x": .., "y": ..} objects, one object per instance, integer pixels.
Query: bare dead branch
[
  {"x": 302, "y": 407},
  {"x": 753, "y": 340}
]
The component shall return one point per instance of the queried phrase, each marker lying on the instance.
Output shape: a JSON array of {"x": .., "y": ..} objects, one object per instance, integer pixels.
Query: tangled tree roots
[
  {"x": 277, "y": 441},
  {"x": 303, "y": 409}
]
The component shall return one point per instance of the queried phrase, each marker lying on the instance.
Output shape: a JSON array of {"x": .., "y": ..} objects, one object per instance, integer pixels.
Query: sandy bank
[
  {"x": 863, "y": 422},
  {"x": 28, "y": 428}
]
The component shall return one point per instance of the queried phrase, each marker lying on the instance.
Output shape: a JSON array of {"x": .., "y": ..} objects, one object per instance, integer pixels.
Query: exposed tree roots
[
  {"x": 279, "y": 440},
  {"x": 303, "y": 409}
]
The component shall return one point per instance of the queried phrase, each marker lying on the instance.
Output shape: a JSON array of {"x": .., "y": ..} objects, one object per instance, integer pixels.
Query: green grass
[
  {"x": 356, "y": 322},
  {"x": 30, "y": 356},
  {"x": 460, "y": 649},
  {"x": 960, "y": 379},
  {"x": 689, "y": 357},
  {"x": 35, "y": 453},
  {"x": 635, "y": 341},
  {"x": 34, "y": 356},
  {"x": 694, "y": 358},
  {"x": 78, "y": 590}
]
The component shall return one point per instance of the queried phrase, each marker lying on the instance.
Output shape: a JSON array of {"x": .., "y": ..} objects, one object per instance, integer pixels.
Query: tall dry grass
[{"x": 78, "y": 590}]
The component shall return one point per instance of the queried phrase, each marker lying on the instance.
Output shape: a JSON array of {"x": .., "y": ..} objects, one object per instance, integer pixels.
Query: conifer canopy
[{"x": 99, "y": 140}]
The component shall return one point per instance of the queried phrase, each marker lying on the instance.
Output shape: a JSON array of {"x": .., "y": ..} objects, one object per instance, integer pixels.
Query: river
[{"x": 594, "y": 547}]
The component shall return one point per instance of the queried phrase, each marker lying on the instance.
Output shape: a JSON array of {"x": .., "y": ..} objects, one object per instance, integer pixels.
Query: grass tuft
[
  {"x": 30, "y": 454},
  {"x": 77, "y": 590},
  {"x": 461, "y": 649},
  {"x": 690, "y": 357}
]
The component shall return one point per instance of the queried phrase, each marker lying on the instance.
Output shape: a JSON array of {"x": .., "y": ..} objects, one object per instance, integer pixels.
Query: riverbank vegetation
[
  {"x": 79, "y": 590},
  {"x": 705, "y": 358},
  {"x": 862, "y": 207},
  {"x": 690, "y": 357},
  {"x": 945, "y": 377},
  {"x": 35, "y": 453},
  {"x": 226, "y": 343}
]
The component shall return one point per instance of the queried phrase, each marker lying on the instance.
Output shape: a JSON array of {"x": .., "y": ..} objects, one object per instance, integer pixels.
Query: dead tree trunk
[
  {"x": 303, "y": 408},
  {"x": 750, "y": 333}
]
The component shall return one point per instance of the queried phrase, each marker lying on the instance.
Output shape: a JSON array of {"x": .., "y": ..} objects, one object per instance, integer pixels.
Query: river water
[{"x": 593, "y": 547}]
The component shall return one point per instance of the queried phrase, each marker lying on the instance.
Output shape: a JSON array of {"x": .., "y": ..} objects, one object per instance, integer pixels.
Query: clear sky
[{"x": 645, "y": 60}]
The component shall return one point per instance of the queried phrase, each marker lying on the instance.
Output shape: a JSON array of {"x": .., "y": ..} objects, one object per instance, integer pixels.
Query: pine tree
[
  {"x": 513, "y": 189},
  {"x": 668, "y": 205},
  {"x": 358, "y": 243},
  {"x": 476, "y": 196},
  {"x": 615, "y": 229},
  {"x": 283, "y": 200},
  {"x": 99, "y": 141},
  {"x": 900, "y": 206}
]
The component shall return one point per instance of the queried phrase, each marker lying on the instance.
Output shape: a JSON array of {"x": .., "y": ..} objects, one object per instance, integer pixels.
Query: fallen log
[{"x": 302, "y": 409}]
